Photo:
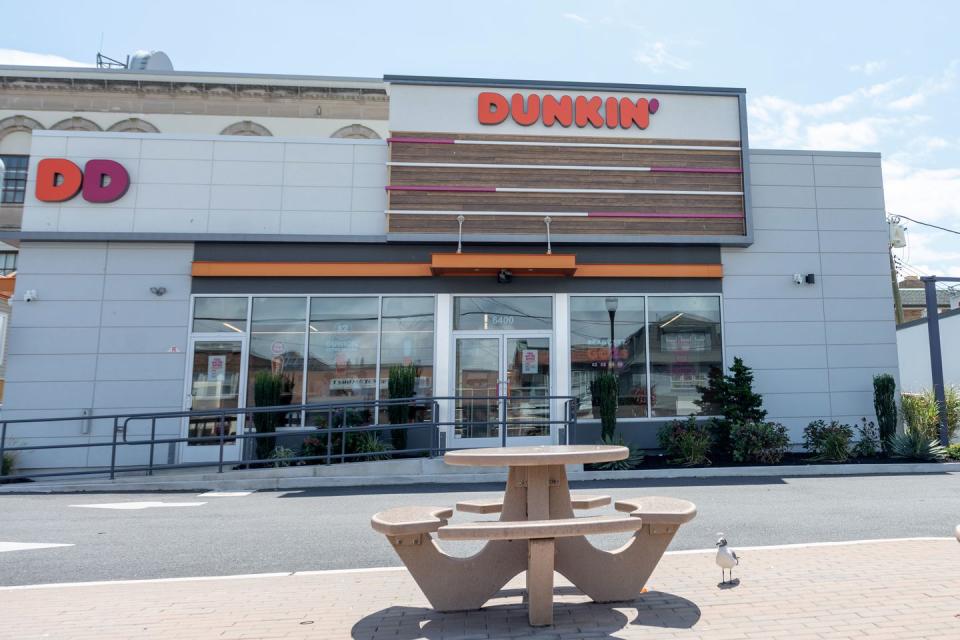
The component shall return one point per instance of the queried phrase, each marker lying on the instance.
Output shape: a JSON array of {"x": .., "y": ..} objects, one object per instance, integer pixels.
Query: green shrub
[
  {"x": 763, "y": 442},
  {"x": 632, "y": 461},
  {"x": 920, "y": 412},
  {"x": 402, "y": 383},
  {"x": 953, "y": 451},
  {"x": 885, "y": 405},
  {"x": 281, "y": 456},
  {"x": 914, "y": 445},
  {"x": 6, "y": 467},
  {"x": 731, "y": 397},
  {"x": 828, "y": 442},
  {"x": 687, "y": 442},
  {"x": 369, "y": 443},
  {"x": 869, "y": 442},
  {"x": 605, "y": 390}
]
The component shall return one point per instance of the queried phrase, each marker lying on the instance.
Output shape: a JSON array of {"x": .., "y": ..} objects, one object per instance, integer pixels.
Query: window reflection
[
  {"x": 277, "y": 330},
  {"x": 685, "y": 344},
  {"x": 591, "y": 336},
  {"x": 502, "y": 313},
  {"x": 342, "y": 361},
  {"x": 220, "y": 315}
]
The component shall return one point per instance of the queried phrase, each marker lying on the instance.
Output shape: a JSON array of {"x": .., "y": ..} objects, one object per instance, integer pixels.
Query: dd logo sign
[{"x": 59, "y": 180}]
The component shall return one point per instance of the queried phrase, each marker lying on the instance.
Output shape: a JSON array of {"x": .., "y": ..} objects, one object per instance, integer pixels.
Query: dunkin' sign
[
  {"x": 580, "y": 111},
  {"x": 59, "y": 180}
]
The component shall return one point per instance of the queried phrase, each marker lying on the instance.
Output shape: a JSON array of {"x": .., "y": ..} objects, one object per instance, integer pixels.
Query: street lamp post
[{"x": 612, "y": 310}]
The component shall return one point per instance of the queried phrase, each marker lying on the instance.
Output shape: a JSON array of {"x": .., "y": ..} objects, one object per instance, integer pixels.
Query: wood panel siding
[
  {"x": 566, "y": 178},
  {"x": 505, "y": 225},
  {"x": 549, "y": 166}
]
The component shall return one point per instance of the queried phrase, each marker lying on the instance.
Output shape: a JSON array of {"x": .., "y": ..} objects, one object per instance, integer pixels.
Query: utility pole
[{"x": 897, "y": 302}]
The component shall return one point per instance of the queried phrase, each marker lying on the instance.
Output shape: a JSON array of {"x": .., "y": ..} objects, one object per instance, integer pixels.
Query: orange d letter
[
  {"x": 492, "y": 108},
  {"x": 70, "y": 180}
]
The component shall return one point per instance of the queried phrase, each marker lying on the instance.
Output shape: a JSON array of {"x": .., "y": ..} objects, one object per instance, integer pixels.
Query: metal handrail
[{"x": 336, "y": 412}]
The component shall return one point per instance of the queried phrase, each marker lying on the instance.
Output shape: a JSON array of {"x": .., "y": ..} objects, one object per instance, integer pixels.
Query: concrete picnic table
[{"x": 536, "y": 532}]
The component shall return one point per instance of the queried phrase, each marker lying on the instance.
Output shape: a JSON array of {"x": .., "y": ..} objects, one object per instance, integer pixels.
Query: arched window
[
  {"x": 18, "y": 124},
  {"x": 134, "y": 125},
  {"x": 76, "y": 123},
  {"x": 356, "y": 131},
  {"x": 246, "y": 128}
]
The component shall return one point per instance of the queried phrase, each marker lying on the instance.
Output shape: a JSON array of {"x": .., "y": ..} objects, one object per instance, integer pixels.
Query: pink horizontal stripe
[
  {"x": 638, "y": 214},
  {"x": 422, "y": 140},
  {"x": 695, "y": 170},
  {"x": 440, "y": 187}
]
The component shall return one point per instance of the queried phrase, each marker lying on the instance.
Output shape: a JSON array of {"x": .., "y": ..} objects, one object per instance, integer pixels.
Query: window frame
[
  {"x": 650, "y": 418},
  {"x": 20, "y": 181},
  {"x": 308, "y": 297}
]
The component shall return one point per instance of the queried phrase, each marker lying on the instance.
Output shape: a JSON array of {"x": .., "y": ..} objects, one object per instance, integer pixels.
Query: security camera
[
  {"x": 798, "y": 278},
  {"x": 29, "y": 295},
  {"x": 504, "y": 276}
]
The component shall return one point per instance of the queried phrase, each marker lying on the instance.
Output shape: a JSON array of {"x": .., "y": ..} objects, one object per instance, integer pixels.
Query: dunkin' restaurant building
[{"x": 501, "y": 239}]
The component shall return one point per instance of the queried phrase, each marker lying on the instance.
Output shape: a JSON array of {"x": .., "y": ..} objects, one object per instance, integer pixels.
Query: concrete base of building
[{"x": 429, "y": 471}]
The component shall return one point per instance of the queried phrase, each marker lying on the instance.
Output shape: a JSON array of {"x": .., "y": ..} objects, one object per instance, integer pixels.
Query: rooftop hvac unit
[{"x": 150, "y": 61}]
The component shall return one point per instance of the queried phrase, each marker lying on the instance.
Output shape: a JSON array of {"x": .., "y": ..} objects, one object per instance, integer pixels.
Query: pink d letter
[{"x": 96, "y": 175}]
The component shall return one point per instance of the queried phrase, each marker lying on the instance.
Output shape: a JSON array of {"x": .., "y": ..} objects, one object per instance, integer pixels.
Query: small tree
[
  {"x": 732, "y": 397},
  {"x": 606, "y": 389},
  {"x": 402, "y": 383},
  {"x": 885, "y": 406}
]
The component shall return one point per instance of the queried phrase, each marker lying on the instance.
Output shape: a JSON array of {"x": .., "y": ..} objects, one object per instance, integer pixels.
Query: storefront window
[
  {"x": 502, "y": 313},
  {"x": 220, "y": 315},
  {"x": 591, "y": 336},
  {"x": 277, "y": 331},
  {"x": 406, "y": 339},
  {"x": 342, "y": 360},
  {"x": 684, "y": 345}
]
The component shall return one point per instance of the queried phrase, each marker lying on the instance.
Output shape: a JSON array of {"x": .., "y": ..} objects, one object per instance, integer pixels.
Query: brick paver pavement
[{"x": 901, "y": 590}]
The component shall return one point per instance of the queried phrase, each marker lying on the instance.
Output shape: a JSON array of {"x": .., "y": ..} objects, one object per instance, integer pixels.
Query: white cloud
[
  {"x": 869, "y": 67},
  {"x": 928, "y": 88},
  {"x": 29, "y": 58},
  {"x": 575, "y": 18},
  {"x": 655, "y": 57}
]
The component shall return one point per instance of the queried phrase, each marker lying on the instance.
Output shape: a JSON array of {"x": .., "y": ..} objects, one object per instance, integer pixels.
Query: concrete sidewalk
[{"x": 905, "y": 589}]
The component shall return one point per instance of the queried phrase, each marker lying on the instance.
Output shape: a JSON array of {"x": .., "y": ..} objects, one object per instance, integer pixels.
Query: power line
[{"x": 926, "y": 224}]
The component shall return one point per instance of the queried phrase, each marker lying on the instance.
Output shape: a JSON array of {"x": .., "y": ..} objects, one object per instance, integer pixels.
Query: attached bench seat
[
  {"x": 538, "y": 529},
  {"x": 658, "y": 510},
  {"x": 577, "y": 501},
  {"x": 405, "y": 521}
]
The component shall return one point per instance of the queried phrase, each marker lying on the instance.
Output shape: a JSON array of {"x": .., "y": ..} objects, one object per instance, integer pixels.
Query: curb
[{"x": 574, "y": 474}]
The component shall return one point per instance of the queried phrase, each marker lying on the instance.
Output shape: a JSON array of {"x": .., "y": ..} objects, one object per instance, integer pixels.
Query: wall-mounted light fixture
[{"x": 158, "y": 291}]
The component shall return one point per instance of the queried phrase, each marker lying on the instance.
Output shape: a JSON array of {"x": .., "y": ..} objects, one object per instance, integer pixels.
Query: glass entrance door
[
  {"x": 502, "y": 383},
  {"x": 214, "y": 382}
]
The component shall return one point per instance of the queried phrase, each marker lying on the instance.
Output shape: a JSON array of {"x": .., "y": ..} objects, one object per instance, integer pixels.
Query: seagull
[{"x": 726, "y": 558}]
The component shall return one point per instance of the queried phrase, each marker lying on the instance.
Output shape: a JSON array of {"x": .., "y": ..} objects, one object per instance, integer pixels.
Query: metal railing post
[
  {"x": 153, "y": 436},
  {"x": 329, "y": 434},
  {"x": 113, "y": 449},
  {"x": 221, "y": 424},
  {"x": 503, "y": 420},
  {"x": 3, "y": 444},
  {"x": 343, "y": 437}
]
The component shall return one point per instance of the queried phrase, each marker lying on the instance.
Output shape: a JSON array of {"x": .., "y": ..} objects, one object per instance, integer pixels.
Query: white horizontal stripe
[
  {"x": 526, "y": 143},
  {"x": 656, "y": 192},
  {"x": 463, "y": 165},
  {"x": 561, "y": 214}
]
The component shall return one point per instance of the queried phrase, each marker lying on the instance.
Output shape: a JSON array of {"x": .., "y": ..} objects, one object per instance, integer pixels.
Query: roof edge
[{"x": 556, "y": 84}]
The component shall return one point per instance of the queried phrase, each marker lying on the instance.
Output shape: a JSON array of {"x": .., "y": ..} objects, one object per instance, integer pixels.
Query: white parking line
[
  {"x": 27, "y": 546},
  {"x": 56, "y": 585},
  {"x": 224, "y": 494},
  {"x": 137, "y": 505}
]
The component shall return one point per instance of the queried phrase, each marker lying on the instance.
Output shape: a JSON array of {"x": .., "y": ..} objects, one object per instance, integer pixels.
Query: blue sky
[{"x": 851, "y": 75}]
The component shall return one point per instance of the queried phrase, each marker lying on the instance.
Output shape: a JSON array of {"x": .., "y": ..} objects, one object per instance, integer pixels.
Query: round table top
[{"x": 536, "y": 456}]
